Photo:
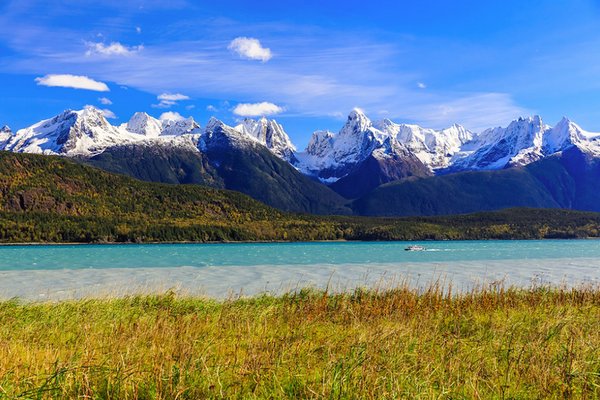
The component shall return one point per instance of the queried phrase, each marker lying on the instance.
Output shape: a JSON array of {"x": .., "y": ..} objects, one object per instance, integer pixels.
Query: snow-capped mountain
[
  {"x": 522, "y": 142},
  {"x": 330, "y": 156},
  {"x": 5, "y": 135},
  {"x": 434, "y": 148},
  {"x": 87, "y": 133},
  {"x": 218, "y": 134},
  {"x": 566, "y": 134},
  {"x": 360, "y": 157},
  {"x": 270, "y": 134},
  {"x": 84, "y": 132},
  {"x": 143, "y": 124},
  {"x": 177, "y": 127}
]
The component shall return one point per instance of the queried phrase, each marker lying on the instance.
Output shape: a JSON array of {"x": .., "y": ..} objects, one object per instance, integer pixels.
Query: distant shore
[{"x": 286, "y": 241}]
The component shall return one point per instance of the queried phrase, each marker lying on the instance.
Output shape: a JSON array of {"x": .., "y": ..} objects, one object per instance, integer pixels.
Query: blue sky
[{"x": 304, "y": 63}]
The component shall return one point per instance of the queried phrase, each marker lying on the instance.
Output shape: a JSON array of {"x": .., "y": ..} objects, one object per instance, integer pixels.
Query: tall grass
[{"x": 500, "y": 343}]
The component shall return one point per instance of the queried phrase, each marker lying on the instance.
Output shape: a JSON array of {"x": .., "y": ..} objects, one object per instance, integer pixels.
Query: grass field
[{"x": 496, "y": 343}]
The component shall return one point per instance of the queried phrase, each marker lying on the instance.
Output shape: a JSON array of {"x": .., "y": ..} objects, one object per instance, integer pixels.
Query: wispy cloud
[
  {"x": 168, "y": 100},
  {"x": 72, "y": 81},
  {"x": 476, "y": 111},
  {"x": 112, "y": 49},
  {"x": 105, "y": 101},
  {"x": 108, "y": 113},
  {"x": 257, "y": 109},
  {"x": 250, "y": 48},
  {"x": 310, "y": 75},
  {"x": 421, "y": 85}
]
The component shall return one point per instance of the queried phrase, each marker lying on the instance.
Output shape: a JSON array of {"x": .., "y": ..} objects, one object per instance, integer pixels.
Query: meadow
[{"x": 493, "y": 342}]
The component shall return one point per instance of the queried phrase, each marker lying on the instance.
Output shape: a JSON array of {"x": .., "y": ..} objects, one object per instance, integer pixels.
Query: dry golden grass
[{"x": 539, "y": 343}]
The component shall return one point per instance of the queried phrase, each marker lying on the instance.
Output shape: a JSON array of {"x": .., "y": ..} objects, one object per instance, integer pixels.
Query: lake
[{"x": 43, "y": 272}]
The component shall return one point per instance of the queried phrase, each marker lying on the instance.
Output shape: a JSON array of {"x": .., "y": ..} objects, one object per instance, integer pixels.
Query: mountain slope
[
  {"x": 377, "y": 170},
  {"x": 374, "y": 163},
  {"x": 566, "y": 180},
  {"x": 571, "y": 177},
  {"x": 252, "y": 158},
  {"x": 459, "y": 193},
  {"x": 249, "y": 167},
  {"x": 48, "y": 198},
  {"x": 158, "y": 163}
]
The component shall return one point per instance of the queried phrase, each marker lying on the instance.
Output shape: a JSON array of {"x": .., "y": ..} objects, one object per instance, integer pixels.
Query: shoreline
[
  {"x": 222, "y": 282},
  {"x": 3, "y": 244}
]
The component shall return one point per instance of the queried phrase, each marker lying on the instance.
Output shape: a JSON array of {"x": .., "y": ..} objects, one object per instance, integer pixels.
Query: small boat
[{"x": 415, "y": 247}]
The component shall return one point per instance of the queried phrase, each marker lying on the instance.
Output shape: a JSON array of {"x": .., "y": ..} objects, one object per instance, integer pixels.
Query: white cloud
[
  {"x": 172, "y": 97},
  {"x": 171, "y": 116},
  {"x": 113, "y": 49},
  {"x": 257, "y": 109},
  {"x": 168, "y": 100},
  {"x": 421, "y": 85},
  {"x": 138, "y": 29},
  {"x": 211, "y": 108},
  {"x": 190, "y": 107},
  {"x": 311, "y": 77},
  {"x": 104, "y": 100},
  {"x": 250, "y": 48},
  {"x": 108, "y": 114},
  {"x": 72, "y": 81}
]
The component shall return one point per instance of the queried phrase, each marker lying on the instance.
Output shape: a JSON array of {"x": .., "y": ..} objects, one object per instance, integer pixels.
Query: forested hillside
[{"x": 53, "y": 199}]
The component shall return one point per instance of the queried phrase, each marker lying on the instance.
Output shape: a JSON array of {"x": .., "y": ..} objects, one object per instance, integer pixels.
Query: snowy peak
[
  {"x": 563, "y": 135},
  {"x": 357, "y": 138},
  {"x": 526, "y": 132},
  {"x": 217, "y": 134},
  {"x": 143, "y": 124},
  {"x": 522, "y": 142},
  {"x": 360, "y": 138},
  {"x": 434, "y": 148},
  {"x": 320, "y": 143},
  {"x": 178, "y": 127},
  {"x": 357, "y": 121},
  {"x": 270, "y": 134},
  {"x": 81, "y": 132},
  {"x": 5, "y": 135},
  {"x": 87, "y": 133},
  {"x": 329, "y": 156},
  {"x": 212, "y": 124},
  {"x": 567, "y": 134}
]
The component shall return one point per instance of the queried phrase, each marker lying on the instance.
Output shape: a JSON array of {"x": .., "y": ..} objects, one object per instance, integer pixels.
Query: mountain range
[{"x": 367, "y": 168}]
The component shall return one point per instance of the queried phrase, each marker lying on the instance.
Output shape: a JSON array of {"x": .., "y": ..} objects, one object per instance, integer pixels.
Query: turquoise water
[
  {"x": 285, "y": 254},
  {"x": 226, "y": 270}
]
